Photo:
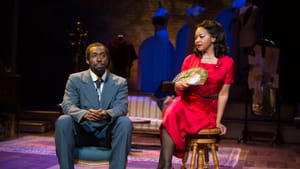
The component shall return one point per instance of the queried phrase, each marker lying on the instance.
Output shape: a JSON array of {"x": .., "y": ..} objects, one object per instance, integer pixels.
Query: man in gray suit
[{"x": 95, "y": 105}]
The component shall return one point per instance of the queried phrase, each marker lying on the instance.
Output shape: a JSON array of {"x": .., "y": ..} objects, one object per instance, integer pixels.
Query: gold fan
[{"x": 193, "y": 76}]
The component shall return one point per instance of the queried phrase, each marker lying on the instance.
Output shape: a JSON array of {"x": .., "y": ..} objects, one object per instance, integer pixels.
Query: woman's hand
[
  {"x": 222, "y": 128},
  {"x": 181, "y": 85}
]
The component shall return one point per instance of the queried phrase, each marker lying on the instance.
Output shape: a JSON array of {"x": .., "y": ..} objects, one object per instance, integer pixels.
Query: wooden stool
[{"x": 200, "y": 144}]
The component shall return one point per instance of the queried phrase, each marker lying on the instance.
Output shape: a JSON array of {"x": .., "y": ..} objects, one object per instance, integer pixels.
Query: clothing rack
[{"x": 267, "y": 116}]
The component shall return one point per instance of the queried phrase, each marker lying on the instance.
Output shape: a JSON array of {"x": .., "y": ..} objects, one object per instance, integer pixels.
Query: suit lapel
[
  {"x": 107, "y": 92},
  {"x": 91, "y": 93}
]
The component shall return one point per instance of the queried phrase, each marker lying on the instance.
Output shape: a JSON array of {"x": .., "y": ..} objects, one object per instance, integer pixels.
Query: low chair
[
  {"x": 200, "y": 144},
  {"x": 91, "y": 155}
]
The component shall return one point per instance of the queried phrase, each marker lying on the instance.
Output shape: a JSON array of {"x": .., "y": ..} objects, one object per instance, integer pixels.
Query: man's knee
[
  {"x": 124, "y": 123},
  {"x": 63, "y": 121}
]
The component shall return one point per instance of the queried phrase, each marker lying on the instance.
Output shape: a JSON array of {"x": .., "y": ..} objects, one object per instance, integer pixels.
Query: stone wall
[{"x": 133, "y": 19}]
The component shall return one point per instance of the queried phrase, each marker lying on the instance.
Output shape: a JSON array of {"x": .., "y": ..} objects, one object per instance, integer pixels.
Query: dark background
[{"x": 35, "y": 42}]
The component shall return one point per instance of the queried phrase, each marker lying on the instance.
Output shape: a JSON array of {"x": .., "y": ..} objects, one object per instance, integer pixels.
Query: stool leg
[
  {"x": 206, "y": 157},
  {"x": 214, "y": 154},
  {"x": 194, "y": 148},
  {"x": 185, "y": 156},
  {"x": 200, "y": 162}
]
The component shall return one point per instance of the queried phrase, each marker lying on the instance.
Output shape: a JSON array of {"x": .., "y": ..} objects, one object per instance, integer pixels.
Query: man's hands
[{"x": 96, "y": 115}]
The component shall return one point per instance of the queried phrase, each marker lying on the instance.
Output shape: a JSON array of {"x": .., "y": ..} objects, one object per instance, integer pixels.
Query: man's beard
[{"x": 98, "y": 72}]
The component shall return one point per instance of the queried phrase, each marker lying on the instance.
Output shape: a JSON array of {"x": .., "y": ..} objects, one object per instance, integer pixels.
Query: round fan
[{"x": 193, "y": 76}]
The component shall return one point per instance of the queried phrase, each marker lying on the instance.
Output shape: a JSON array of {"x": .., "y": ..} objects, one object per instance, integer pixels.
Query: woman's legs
[{"x": 166, "y": 151}]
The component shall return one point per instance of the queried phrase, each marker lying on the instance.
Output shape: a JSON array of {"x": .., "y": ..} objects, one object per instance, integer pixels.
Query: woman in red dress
[{"x": 198, "y": 106}]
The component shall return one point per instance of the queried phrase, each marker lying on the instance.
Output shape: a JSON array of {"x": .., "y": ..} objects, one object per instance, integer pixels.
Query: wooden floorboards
[{"x": 254, "y": 155}]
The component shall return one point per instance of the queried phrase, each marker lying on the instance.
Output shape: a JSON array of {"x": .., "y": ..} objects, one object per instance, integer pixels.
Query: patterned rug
[{"x": 137, "y": 159}]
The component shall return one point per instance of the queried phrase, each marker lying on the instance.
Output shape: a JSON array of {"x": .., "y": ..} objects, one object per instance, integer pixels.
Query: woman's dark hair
[{"x": 216, "y": 30}]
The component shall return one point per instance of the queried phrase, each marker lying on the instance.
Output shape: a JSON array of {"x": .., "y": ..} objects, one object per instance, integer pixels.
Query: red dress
[{"x": 191, "y": 111}]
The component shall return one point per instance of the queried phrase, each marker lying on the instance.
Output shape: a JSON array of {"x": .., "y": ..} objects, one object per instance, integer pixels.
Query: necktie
[{"x": 98, "y": 83}]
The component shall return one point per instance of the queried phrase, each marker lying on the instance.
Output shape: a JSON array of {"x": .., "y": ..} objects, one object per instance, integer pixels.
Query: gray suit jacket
[{"x": 81, "y": 95}]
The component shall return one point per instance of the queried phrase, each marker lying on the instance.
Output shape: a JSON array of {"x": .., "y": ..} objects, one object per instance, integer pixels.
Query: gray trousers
[{"x": 69, "y": 134}]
